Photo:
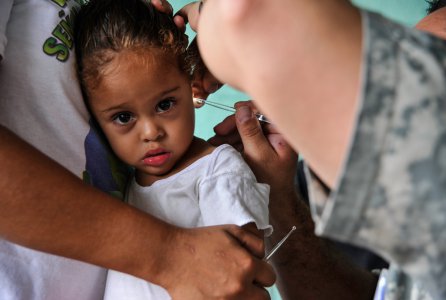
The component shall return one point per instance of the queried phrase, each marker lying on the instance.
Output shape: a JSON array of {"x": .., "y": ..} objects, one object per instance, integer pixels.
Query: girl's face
[{"x": 144, "y": 106}]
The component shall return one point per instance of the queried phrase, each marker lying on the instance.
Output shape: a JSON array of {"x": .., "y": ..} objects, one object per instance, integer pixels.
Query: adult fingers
[
  {"x": 162, "y": 5},
  {"x": 226, "y": 133},
  {"x": 180, "y": 23},
  {"x": 215, "y": 263},
  {"x": 264, "y": 274},
  {"x": 226, "y": 127},
  {"x": 275, "y": 139},
  {"x": 267, "y": 128},
  {"x": 232, "y": 139},
  {"x": 255, "y": 144},
  {"x": 190, "y": 14},
  {"x": 249, "y": 241},
  {"x": 281, "y": 146}
]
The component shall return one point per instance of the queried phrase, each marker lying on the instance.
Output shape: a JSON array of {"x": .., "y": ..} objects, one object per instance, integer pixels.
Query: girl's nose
[{"x": 150, "y": 131}]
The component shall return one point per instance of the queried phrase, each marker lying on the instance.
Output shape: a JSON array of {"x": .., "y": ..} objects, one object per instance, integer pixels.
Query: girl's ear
[
  {"x": 198, "y": 93},
  {"x": 198, "y": 103}
]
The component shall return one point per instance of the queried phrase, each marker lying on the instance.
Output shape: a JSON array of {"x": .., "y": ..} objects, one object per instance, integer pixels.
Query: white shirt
[{"x": 217, "y": 189}]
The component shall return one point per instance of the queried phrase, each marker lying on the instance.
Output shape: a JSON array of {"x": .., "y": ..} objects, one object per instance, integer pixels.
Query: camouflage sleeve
[{"x": 391, "y": 197}]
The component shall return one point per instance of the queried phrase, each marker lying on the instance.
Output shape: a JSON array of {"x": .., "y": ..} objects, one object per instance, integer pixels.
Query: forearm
[
  {"x": 303, "y": 72},
  {"x": 46, "y": 208},
  {"x": 307, "y": 266},
  {"x": 318, "y": 106}
]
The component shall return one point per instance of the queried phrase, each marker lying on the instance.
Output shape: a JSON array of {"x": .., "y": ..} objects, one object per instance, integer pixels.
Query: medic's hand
[
  {"x": 265, "y": 150},
  {"x": 189, "y": 14},
  {"x": 162, "y": 5},
  {"x": 165, "y": 7}
]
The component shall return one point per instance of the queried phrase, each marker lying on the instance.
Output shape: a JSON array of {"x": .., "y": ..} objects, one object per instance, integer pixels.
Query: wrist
[
  {"x": 166, "y": 263},
  {"x": 288, "y": 209}
]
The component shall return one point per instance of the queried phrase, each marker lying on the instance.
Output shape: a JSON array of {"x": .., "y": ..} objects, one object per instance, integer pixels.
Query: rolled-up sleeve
[{"x": 391, "y": 196}]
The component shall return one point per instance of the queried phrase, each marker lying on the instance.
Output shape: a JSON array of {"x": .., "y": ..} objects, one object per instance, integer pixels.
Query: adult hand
[
  {"x": 162, "y": 5},
  {"x": 304, "y": 254},
  {"x": 262, "y": 146},
  {"x": 190, "y": 14},
  {"x": 213, "y": 263},
  {"x": 165, "y": 7},
  {"x": 203, "y": 82}
]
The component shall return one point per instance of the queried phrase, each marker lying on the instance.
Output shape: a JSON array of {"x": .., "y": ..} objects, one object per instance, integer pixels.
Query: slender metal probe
[
  {"x": 279, "y": 244},
  {"x": 259, "y": 117}
]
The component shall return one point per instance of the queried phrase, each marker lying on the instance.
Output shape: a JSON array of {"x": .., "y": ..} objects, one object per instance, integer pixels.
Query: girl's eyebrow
[
  {"x": 169, "y": 91},
  {"x": 116, "y": 107}
]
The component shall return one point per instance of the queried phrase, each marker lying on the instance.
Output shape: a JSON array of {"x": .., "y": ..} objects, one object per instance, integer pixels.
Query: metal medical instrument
[
  {"x": 279, "y": 244},
  {"x": 201, "y": 102}
]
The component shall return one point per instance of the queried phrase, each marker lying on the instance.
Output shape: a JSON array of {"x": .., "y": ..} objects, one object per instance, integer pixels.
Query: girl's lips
[{"x": 156, "y": 160}]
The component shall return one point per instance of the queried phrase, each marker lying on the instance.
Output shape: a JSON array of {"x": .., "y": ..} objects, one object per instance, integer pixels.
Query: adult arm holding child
[
  {"x": 80, "y": 222},
  {"x": 47, "y": 208}
]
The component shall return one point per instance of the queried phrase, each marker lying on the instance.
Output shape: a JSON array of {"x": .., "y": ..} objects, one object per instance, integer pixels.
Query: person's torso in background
[{"x": 40, "y": 101}]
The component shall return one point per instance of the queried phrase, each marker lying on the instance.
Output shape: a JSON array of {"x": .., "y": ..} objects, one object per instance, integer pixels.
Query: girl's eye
[
  {"x": 123, "y": 118},
  {"x": 165, "y": 105}
]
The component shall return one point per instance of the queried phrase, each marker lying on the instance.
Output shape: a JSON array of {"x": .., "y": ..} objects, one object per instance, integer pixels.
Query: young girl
[{"x": 135, "y": 75}]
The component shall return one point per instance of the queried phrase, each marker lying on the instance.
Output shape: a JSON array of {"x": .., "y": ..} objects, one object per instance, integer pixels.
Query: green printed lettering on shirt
[
  {"x": 53, "y": 48},
  {"x": 61, "y": 41},
  {"x": 61, "y": 3},
  {"x": 62, "y": 32}
]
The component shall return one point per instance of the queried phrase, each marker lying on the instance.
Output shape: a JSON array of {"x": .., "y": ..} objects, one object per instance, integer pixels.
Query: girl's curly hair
[{"x": 104, "y": 28}]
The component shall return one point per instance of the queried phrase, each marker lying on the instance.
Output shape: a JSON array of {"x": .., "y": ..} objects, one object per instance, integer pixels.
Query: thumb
[
  {"x": 281, "y": 146},
  {"x": 190, "y": 14},
  {"x": 251, "y": 134}
]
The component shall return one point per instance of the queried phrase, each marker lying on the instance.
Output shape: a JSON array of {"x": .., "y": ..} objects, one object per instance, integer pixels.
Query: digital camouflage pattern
[{"x": 391, "y": 197}]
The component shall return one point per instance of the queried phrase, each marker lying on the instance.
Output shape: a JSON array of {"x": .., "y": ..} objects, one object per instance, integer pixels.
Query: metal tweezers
[
  {"x": 279, "y": 244},
  {"x": 259, "y": 117}
]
